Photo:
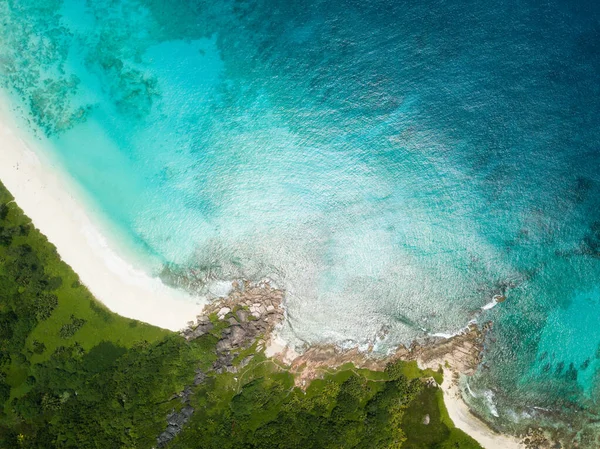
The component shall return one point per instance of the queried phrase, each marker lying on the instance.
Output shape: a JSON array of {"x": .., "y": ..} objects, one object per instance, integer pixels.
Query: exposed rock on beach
[{"x": 251, "y": 309}]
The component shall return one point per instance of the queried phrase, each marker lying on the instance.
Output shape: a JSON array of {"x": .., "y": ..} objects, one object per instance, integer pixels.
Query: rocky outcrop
[
  {"x": 251, "y": 313},
  {"x": 461, "y": 353},
  {"x": 251, "y": 309},
  {"x": 175, "y": 423}
]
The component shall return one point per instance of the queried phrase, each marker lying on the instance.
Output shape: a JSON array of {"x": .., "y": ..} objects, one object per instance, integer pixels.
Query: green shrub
[{"x": 69, "y": 329}]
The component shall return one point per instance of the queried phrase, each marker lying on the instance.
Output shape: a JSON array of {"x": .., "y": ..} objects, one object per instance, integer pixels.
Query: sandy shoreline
[
  {"x": 467, "y": 422},
  {"x": 44, "y": 194}
]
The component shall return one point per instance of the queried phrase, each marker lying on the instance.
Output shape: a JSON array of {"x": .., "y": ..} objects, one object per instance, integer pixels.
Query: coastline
[
  {"x": 461, "y": 416},
  {"x": 458, "y": 354},
  {"x": 44, "y": 194}
]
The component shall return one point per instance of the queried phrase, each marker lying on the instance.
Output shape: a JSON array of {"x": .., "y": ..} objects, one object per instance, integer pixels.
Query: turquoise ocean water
[{"x": 392, "y": 164}]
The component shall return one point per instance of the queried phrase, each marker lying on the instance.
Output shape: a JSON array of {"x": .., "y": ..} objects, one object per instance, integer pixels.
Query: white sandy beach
[
  {"x": 463, "y": 419},
  {"x": 49, "y": 199}
]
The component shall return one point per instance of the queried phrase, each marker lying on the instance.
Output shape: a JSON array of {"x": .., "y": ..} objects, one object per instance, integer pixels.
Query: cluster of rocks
[
  {"x": 537, "y": 439},
  {"x": 252, "y": 311},
  {"x": 461, "y": 353},
  {"x": 175, "y": 423}
]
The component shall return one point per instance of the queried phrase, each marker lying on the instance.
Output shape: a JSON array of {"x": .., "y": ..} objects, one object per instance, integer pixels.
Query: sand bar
[{"x": 49, "y": 198}]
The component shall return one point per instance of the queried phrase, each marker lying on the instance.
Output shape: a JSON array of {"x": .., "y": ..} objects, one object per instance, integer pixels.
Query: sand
[
  {"x": 50, "y": 199},
  {"x": 463, "y": 419},
  {"x": 278, "y": 348}
]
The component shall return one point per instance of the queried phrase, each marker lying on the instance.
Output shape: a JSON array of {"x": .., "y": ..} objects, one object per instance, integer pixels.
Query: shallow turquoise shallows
[{"x": 392, "y": 164}]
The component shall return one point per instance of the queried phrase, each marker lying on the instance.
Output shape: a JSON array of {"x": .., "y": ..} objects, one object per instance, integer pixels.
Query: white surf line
[{"x": 461, "y": 416}]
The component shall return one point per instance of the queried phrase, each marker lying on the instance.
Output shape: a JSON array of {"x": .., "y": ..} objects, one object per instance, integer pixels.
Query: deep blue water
[{"x": 393, "y": 164}]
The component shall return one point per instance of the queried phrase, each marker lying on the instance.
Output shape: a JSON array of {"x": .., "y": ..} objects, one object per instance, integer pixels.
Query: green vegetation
[
  {"x": 75, "y": 375},
  {"x": 440, "y": 432},
  {"x": 344, "y": 409}
]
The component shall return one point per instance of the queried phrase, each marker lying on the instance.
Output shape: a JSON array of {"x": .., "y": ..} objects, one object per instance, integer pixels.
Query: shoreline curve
[{"x": 44, "y": 194}]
